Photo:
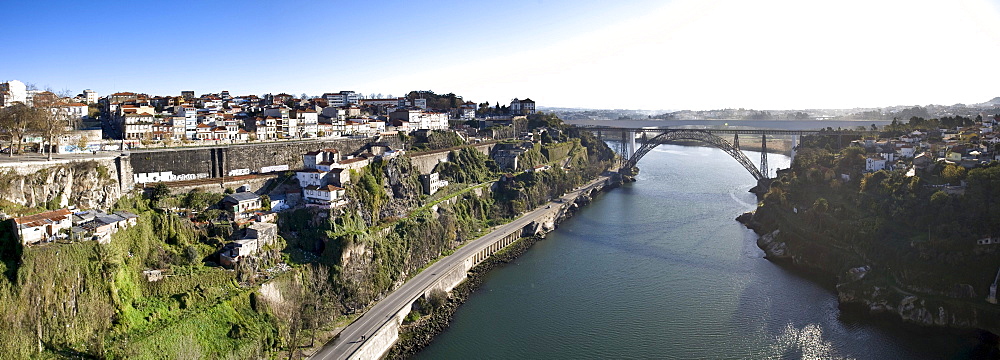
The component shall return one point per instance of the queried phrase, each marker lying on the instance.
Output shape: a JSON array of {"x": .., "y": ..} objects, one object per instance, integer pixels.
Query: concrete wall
[
  {"x": 425, "y": 163},
  {"x": 218, "y": 161},
  {"x": 383, "y": 339},
  {"x": 220, "y": 187}
]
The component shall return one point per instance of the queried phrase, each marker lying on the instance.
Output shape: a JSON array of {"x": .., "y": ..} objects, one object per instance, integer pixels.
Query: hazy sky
[{"x": 681, "y": 54}]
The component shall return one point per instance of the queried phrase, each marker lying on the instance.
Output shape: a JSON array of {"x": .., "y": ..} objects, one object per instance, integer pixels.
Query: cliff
[
  {"x": 872, "y": 241},
  {"x": 88, "y": 184},
  {"x": 870, "y": 286}
]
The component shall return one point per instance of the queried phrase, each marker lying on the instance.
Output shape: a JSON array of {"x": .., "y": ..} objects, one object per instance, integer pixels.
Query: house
[
  {"x": 327, "y": 195},
  {"x": 906, "y": 151},
  {"x": 339, "y": 176},
  {"x": 417, "y": 119},
  {"x": 45, "y": 226},
  {"x": 311, "y": 159},
  {"x": 874, "y": 163},
  {"x": 522, "y": 107},
  {"x": 311, "y": 177},
  {"x": 242, "y": 204},
  {"x": 431, "y": 183},
  {"x": 922, "y": 160},
  {"x": 256, "y": 237},
  {"x": 99, "y": 225}
]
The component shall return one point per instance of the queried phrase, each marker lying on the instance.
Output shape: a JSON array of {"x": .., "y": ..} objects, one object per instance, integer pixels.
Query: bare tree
[
  {"x": 56, "y": 119},
  {"x": 321, "y": 305},
  {"x": 18, "y": 121}
]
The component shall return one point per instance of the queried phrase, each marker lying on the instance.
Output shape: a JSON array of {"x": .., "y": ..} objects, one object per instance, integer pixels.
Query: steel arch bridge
[
  {"x": 705, "y": 137},
  {"x": 652, "y": 137}
]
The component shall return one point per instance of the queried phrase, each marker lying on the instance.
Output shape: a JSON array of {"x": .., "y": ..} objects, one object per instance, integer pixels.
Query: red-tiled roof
[{"x": 42, "y": 218}]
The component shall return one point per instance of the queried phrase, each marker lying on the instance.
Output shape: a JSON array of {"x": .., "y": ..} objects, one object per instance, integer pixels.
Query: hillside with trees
[
  {"x": 156, "y": 290},
  {"x": 894, "y": 242}
]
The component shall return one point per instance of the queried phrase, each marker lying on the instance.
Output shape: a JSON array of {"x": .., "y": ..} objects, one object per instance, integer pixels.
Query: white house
[
  {"x": 873, "y": 164},
  {"x": 419, "y": 119},
  {"x": 431, "y": 183},
  {"x": 311, "y": 177},
  {"x": 44, "y": 226},
  {"x": 309, "y": 120},
  {"x": 312, "y": 159},
  {"x": 906, "y": 151},
  {"x": 324, "y": 195},
  {"x": 90, "y": 96},
  {"x": 522, "y": 107}
]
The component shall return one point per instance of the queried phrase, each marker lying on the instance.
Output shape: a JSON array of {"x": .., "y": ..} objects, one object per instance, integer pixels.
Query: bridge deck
[{"x": 725, "y": 131}]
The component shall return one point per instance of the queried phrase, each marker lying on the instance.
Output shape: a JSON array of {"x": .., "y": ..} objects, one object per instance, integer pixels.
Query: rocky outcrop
[
  {"x": 86, "y": 185},
  {"x": 868, "y": 287},
  {"x": 772, "y": 247}
]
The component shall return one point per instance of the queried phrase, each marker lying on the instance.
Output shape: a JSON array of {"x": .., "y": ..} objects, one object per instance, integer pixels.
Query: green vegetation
[
  {"x": 468, "y": 166},
  {"x": 103, "y": 305},
  {"x": 442, "y": 102},
  {"x": 434, "y": 140},
  {"x": 911, "y": 232}
]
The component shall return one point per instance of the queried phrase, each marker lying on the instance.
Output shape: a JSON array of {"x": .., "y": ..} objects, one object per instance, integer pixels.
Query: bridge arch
[{"x": 703, "y": 136}]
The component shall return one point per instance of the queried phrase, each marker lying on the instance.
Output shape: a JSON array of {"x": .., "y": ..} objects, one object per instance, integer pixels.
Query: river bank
[
  {"x": 659, "y": 269},
  {"x": 871, "y": 289},
  {"x": 417, "y": 335}
]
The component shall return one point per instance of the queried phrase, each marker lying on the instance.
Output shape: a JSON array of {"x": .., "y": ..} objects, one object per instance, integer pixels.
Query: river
[{"x": 659, "y": 269}]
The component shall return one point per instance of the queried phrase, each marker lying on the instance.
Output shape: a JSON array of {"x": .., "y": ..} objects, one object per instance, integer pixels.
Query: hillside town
[
  {"x": 126, "y": 120},
  {"x": 919, "y": 147},
  {"x": 135, "y": 120}
]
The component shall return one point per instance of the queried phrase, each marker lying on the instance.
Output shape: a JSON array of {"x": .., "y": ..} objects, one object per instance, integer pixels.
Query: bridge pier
[
  {"x": 763, "y": 155},
  {"x": 795, "y": 144}
]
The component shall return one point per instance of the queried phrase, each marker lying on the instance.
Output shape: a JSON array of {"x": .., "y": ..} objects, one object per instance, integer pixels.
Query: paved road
[{"x": 350, "y": 338}]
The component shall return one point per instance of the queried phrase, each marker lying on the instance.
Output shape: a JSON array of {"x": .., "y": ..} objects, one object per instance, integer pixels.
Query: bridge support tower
[{"x": 763, "y": 155}]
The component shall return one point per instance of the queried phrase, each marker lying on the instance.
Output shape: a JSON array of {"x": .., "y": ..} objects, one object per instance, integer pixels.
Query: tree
[
  {"x": 159, "y": 192},
  {"x": 546, "y": 138},
  {"x": 437, "y": 298},
  {"x": 55, "y": 118},
  {"x": 265, "y": 202},
  {"x": 18, "y": 121},
  {"x": 953, "y": 174},
  {"x": 321, "y": 305}
]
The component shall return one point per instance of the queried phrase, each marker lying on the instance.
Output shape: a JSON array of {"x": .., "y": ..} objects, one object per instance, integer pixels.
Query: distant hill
[{"x": 994, "y": 102}]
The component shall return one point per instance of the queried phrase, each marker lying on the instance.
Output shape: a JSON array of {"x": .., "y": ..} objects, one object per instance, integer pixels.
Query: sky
[{"x": 680, "y": 54}]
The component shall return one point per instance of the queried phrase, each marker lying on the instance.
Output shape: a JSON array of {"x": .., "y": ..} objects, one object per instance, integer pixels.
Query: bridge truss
[
  {"x": 633, "y": 148},
  {"x": 706, "y": 137}
]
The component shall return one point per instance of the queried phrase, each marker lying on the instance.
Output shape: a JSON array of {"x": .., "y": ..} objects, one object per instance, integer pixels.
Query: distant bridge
[{"x": 637, "y": 142}]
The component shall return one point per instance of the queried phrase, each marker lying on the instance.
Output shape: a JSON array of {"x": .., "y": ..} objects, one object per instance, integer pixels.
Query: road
[{"x": 349, "y": 340}]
